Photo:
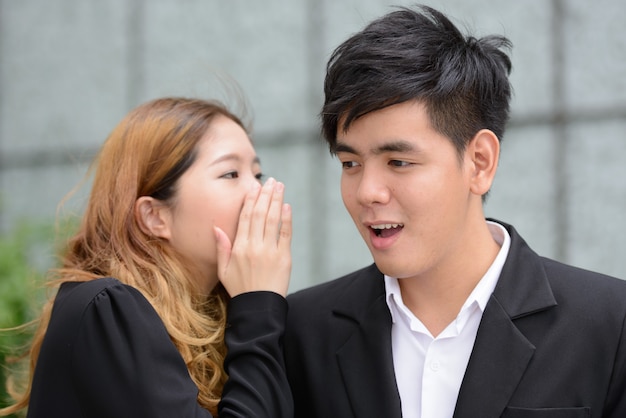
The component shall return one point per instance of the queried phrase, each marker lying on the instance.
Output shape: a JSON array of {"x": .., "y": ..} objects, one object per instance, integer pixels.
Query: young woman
[{"x": 170, "y": 298}]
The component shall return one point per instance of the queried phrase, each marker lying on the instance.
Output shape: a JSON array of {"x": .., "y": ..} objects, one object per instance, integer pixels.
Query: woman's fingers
[
  {"x": 274, "y": 214},
  {"x": 261, "y": 210},
  {"x": 284, "y": 235},
  {"x": 261, "y": 219},
  {"x": 223, "y": 248},
  {"x": 245, "y": 217},
  {"x": 260, "y": 256},
  {"x": 282, "y": 268}
]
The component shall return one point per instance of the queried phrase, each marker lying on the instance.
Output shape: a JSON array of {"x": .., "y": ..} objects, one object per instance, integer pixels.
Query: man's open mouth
[{"x": 386, "y": 230}]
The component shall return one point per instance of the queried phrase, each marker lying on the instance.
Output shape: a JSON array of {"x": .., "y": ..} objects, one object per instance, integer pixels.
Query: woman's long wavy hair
[{"x": 145, "y": 155}]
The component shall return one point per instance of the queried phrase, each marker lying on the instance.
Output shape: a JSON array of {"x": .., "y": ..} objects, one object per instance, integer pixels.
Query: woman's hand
[{"x": 260, "y": 257}]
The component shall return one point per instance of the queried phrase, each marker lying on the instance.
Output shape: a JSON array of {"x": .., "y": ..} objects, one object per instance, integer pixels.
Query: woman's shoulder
[
  {"x": 86, "y": 291},
  {"x": 94, "y": 310},
  {"x": 74, "y": 299}
]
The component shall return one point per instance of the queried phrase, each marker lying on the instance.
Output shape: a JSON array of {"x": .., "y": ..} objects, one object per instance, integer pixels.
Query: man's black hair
[{"x": 419, "y": 55}]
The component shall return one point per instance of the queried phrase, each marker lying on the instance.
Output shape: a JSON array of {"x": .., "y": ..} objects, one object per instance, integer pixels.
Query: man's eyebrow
[
  {"x": 394, "y": 146},
  {"x": 391, "y": 146},
  {"x": 341, "y": 147}
]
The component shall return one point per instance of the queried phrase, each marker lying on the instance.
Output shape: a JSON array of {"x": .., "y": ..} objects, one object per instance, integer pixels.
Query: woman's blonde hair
[{"x": 145, "y": 155}]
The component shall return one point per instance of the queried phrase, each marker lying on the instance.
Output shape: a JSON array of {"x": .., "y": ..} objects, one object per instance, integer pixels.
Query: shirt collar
[{"x": 481, "y": 293}]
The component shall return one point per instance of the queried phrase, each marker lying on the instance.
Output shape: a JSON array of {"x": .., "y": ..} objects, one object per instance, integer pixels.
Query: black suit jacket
[{"x": 551, "y": 343}]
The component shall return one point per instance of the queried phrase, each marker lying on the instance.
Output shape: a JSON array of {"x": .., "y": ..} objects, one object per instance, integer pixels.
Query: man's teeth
[{"x": 386, "y": 226}]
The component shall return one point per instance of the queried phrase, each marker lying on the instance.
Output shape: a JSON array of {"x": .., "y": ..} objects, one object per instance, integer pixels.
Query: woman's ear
[
  {"x": 484, "y": 152},
  {"x": 153, "y": 217}
]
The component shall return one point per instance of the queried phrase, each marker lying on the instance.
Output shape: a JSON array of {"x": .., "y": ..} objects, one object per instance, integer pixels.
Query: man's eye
[
  {"x": 231, "y": 175},
  {"x": 348, "y": 164},
  {"x": 398, "y": 163}
]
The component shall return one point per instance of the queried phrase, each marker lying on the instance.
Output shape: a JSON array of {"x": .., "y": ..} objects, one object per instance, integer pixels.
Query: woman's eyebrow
[{"x": 233, "y": 157}]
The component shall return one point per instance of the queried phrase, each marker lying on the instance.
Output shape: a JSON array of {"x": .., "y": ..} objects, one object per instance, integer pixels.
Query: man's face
[{"x": 406, "y": 190}]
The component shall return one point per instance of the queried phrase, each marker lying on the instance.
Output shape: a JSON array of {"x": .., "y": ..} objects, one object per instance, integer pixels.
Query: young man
[{"x": 458, "y": 316}]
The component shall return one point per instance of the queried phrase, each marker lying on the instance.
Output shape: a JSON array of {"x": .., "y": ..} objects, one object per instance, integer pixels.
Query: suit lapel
[
  {"x": 365, "y": 360},
  {"x": 498, "y": 361},
  {"x": 501, "y": 352}
]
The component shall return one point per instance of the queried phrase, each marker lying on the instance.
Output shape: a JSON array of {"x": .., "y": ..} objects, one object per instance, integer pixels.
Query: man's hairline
[{"x": 342, "y": 126}]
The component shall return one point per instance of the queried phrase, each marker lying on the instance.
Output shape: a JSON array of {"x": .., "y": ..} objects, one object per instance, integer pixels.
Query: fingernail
[{"x": 270, "y": 181}]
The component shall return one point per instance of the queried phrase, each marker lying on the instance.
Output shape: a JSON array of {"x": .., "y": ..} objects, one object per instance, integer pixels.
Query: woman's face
[{"x": 211, "y": 193}]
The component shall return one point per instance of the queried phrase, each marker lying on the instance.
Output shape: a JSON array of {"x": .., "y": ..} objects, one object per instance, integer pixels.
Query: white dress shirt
[{"x": 429, "y": 370}]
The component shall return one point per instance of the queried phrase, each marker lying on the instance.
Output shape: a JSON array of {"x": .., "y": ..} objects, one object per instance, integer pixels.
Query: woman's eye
[
  {"x": 231, "y": 175},
  {"x": 260, "y": 177}
]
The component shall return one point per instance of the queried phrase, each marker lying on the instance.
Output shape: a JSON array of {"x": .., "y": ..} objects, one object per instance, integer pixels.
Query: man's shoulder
[
  {"x": 359, "y": 281},
  {"x": 523, "y": 261},
  {"x": 328, "y": 308},
  {"x": 567, "y": 277}
]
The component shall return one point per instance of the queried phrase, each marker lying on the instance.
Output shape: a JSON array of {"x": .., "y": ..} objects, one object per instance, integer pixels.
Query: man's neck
[{"x": 436, "y": 297}]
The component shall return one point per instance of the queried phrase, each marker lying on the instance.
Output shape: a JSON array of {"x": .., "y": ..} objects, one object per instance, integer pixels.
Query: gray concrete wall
[{"x": 70, "y": 69}]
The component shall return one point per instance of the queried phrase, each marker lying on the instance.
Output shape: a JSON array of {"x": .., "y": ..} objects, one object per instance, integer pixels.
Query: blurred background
[{"x": 71, "y": 69}]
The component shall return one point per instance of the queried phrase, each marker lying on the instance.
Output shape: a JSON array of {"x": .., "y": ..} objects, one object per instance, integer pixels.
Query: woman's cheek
[{"x": 230, "y": 222}]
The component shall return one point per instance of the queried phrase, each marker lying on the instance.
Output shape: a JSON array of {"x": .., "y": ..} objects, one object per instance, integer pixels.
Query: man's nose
[{"x": 372, "y": 188}]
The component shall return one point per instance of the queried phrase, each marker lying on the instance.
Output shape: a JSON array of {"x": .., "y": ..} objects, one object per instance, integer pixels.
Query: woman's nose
[{"x": 251, "y": 180}]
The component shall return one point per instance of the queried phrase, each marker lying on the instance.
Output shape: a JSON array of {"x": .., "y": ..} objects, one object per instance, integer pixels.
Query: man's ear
[
  {"x": 484, "y": 152},
  {"x": 153, "y": 217}
]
